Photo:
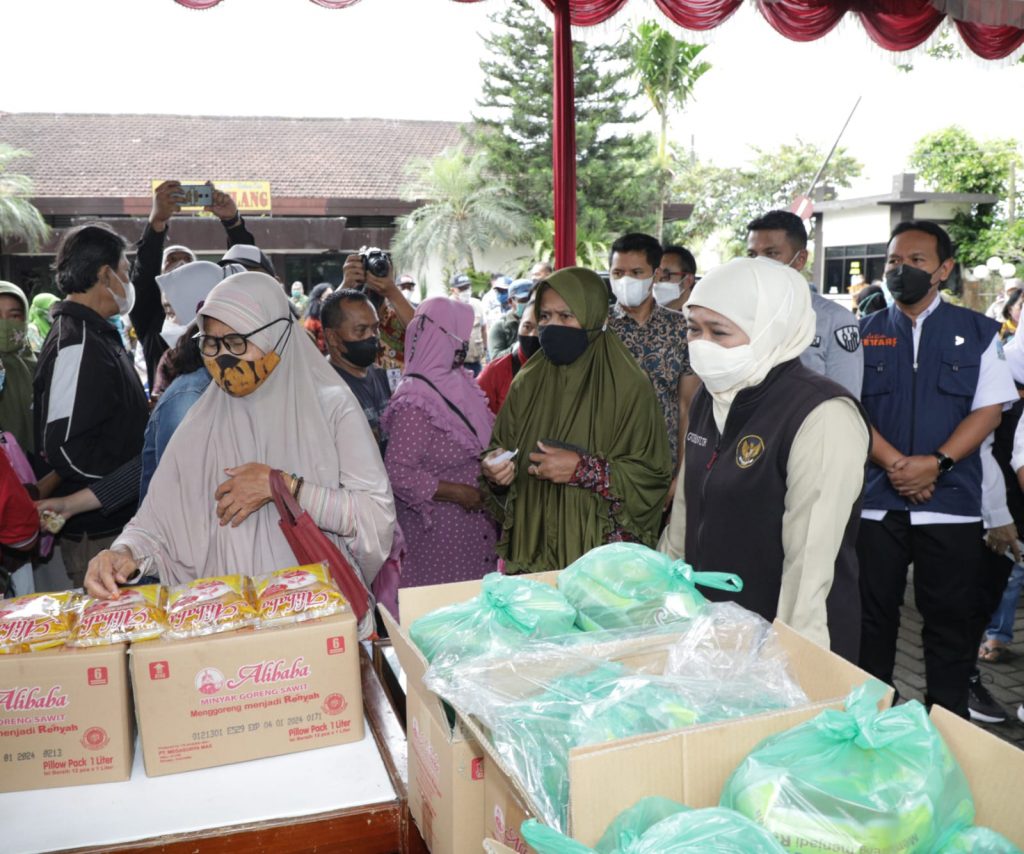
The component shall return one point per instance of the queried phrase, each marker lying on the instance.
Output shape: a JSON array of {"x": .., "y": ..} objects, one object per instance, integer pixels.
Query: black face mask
[
  {"x": 362, "y": 353},
  {"x": 528, "y": 345},
  {"x": 563, "y": 345},
  {"x": 908, "y": 285}
]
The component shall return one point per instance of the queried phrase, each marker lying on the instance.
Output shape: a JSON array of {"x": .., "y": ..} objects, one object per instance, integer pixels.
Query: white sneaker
[{"x": 1020, "y": 713}]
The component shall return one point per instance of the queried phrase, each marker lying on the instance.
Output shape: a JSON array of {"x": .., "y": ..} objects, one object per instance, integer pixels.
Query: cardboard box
[
  {"x": 445, "y": 780},
  {"x": 994, "y": 769},
  {"x": 504, "y": 812},
  {"x": 689, "y": 765},
  {"x": 247, "y": 694},
  {"x": 65, "y": 718},
  {"x": 446, "y": 769}
]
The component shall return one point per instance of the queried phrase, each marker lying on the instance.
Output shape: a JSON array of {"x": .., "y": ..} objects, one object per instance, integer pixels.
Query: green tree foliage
[
  {"x": 668, "y": 70},
  {"x": 727, "y": 198},
  {"x": 952, "y": 161},
  {"x": 19, "y": 218},
  {"x": 616, "y": 185},
  {"x": 592, "y": 242},
  {"x": 466, "y": 211}
]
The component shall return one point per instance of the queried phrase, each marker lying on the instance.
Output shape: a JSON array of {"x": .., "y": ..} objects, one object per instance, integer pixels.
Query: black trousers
[{"x": 949, "y": 563}]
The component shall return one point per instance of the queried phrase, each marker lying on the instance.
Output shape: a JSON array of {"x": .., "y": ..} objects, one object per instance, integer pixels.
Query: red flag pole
[{"x": 563, "y": 150}]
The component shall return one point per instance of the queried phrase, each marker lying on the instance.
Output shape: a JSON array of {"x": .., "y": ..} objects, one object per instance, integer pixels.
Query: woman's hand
[
  {"x": 501, "y": 474},
  {"x": 245, "y": 491},
  {"x": 465, "y": 496},
  {"x": 108, "y": 569},
  {"x": 555, "y": 464}
]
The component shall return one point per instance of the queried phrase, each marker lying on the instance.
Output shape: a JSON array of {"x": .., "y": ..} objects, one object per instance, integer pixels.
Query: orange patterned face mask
[{"x": 238, "y": 376}]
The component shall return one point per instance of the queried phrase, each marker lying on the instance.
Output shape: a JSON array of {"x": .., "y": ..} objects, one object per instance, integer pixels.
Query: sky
[{"x": 419, "y": 59}]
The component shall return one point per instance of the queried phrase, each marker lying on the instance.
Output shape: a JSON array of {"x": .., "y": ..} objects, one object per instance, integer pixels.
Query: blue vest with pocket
[{"x": 917, "y": 409}]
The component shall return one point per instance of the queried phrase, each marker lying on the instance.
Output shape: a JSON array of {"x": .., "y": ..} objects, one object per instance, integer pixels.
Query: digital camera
[{"x": 376, "y": 261}]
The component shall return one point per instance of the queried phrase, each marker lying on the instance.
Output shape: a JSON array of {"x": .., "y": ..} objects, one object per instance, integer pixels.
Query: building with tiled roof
[{"x": 335, "y": 184}]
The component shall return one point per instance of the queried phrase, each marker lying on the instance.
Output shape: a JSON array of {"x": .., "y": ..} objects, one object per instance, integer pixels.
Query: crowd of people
[{"x": 738, "y": 421}]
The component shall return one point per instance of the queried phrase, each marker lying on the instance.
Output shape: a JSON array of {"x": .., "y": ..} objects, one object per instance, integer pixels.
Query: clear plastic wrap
[
  {"x": 137, "y": 614},
  {"x": 552, "y": 696},
  {"x": 626, "y": 584},
  {"x": 207, "y": 606},
  {"x": 37, "y": 621},
  {"x": 857, "y": 780},
  {"x": 661, "y": 826},
  {"x": 297, "y": 594},
  {"x": 508, "y": 611}
]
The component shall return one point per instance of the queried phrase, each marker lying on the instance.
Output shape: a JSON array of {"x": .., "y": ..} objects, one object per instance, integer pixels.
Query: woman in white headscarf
[
  {"x": 275, "y": 403},
  {"x": 774, "y": 458}
]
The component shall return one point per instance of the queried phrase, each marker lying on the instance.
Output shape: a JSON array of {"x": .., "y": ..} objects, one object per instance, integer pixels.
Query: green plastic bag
[
  {"x": 859, "y": 780},
  {"x": 979, "y": 840},
  {"x": 661, "y": 826},
  {"x": 629, "y": 585},
  {"x": 534, "y": 736},
  {"x": 508, "y": 611}
]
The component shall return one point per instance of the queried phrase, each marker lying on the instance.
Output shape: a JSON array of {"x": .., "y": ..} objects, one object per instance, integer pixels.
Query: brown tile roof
[{"x": 117, "y": 155}]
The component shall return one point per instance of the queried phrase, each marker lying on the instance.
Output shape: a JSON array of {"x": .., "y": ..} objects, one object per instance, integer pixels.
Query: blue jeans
[{"x": 1001, "y": 626}]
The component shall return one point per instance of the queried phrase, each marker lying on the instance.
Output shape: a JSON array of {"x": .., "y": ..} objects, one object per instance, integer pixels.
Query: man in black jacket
[
  {"x": 89, "y": 408},
  {"x": 148, "y": 314}
]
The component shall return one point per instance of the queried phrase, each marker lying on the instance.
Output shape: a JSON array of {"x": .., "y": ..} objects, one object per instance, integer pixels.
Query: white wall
[{"x": 869, "y": 224}]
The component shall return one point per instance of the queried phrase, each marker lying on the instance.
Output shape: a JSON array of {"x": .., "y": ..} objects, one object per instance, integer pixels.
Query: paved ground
[{"x": 1005, "y": 680}]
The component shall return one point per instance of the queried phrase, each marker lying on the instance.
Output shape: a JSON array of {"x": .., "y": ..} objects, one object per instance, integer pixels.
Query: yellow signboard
[{"x": 250, "y": 196}]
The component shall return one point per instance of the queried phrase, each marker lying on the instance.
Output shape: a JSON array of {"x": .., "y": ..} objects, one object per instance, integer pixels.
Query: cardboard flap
[
  {"x": 822, "y": 674},
  {"x": 688, "y": 765},
  {"x": 994, "y": 769},
  {"x": 413, "y": 603}
]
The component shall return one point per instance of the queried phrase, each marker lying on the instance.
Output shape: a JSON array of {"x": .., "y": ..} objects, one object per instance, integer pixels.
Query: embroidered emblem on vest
[
  {"x": 749, "y": 451},
  {"x": 848, "y": 337}
]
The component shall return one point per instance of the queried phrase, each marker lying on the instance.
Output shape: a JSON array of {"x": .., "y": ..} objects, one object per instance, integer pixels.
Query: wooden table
[{"x": 350, "y": 798}]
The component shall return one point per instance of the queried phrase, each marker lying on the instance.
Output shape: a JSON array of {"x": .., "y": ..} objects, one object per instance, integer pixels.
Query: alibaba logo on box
[{"x": 335, "y": 645}]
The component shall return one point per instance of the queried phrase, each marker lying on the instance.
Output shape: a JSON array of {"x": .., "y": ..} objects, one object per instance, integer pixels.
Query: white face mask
[
  {"x": 722, "y": 368},
  {"x": 126, "y": 303},
  {"x": 171, "y": 331},
  {"x": 631, "y": 292},
  {"x": 666, "y": 292},
  {"x": 464, "y": 296}
]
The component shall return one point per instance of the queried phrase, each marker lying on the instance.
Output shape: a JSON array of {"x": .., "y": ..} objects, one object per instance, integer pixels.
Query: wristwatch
[{"x": 945, "y": 463}]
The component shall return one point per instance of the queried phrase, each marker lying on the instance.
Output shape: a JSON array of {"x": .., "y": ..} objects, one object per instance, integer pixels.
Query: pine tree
[{"x": 616, "y": 184}]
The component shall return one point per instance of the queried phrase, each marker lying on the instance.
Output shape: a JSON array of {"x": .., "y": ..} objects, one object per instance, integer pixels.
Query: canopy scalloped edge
[{"x": 911, "y": 24}]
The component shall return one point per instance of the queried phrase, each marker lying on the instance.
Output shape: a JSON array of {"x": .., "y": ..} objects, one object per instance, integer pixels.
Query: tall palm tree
[
  {"x": 668, "y": 70},
  {"x": 465, "y": 212},
  {"x": 19, "y": 218}
]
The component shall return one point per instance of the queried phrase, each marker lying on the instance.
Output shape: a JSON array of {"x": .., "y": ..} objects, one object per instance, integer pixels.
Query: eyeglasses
[
  {"x": 669, "y": 275},
  {"x": 235, "y": 343}
]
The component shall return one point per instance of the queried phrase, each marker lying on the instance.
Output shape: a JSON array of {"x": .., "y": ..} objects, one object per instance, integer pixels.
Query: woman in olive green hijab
[
  {"x": 592, "y": 461},
  {"x": 17, "y": 366}
]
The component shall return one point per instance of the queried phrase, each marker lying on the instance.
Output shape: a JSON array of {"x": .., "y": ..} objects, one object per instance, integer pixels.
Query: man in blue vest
[{"x": 935, "y": 382}]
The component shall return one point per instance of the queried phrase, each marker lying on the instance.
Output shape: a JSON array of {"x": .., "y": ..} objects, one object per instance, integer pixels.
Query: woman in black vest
[{"x": 774, "y": 457}]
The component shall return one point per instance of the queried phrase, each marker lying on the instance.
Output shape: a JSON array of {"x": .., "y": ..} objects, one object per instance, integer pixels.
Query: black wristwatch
[{"x": 945, "y": 463}]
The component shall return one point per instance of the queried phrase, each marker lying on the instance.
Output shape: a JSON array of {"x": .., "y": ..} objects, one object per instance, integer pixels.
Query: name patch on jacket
[
  {"x": 876, "y": 339},
  {"x": 694, "y": 439}
]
